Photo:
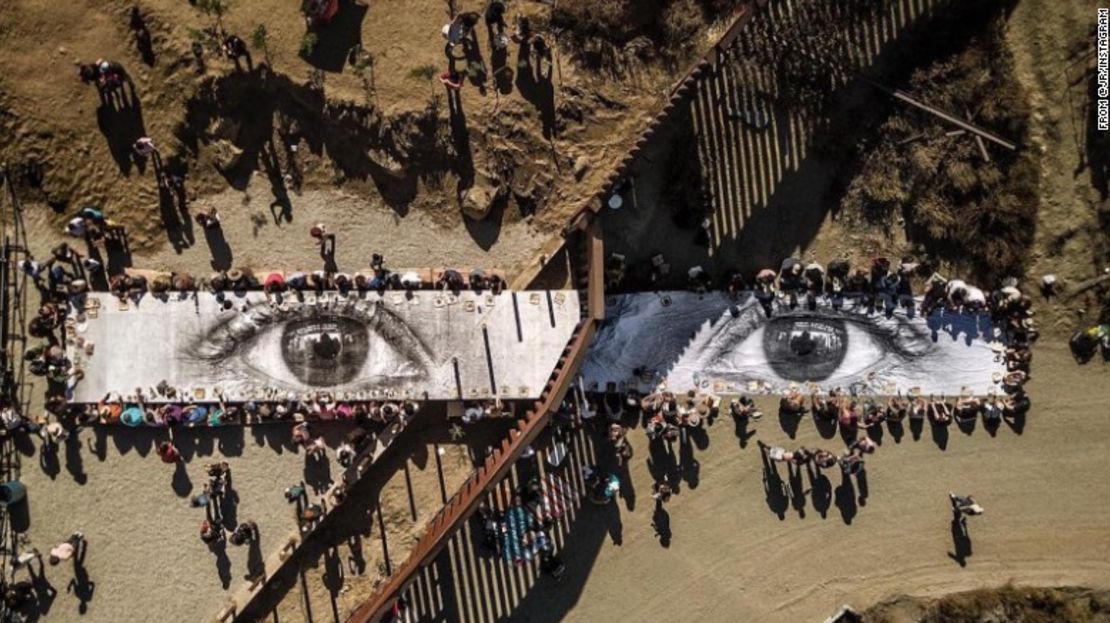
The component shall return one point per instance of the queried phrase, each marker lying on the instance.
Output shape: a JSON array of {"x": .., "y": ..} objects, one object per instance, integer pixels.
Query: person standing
[
  {"x": 246, "y": 532},
  {"x": 211, "y": 533},
  {"x": 168, "y": 452}
]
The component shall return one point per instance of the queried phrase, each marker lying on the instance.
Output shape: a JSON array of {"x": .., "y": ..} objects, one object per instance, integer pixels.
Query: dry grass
[
  {"x": 598, "y": 31},
  {"x": 1003, "y": 605},
  {"x": 953, "y": 202}
]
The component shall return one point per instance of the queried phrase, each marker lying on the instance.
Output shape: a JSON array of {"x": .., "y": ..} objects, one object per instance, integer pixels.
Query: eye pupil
[
  {"x": 803, "y": 344},
  {"x": 327, "y": 347}
]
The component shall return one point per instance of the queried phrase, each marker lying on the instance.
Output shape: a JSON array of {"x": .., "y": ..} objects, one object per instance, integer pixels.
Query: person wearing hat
[
  {"x": 235, "y": 279},
  {"x": 246, "y": 532},
  {"x": 297, "y": 281},
  {"x": 744, "y": 408},
  {"x": 964, "y": 505},
  {"x": 161, "y": 284},
  {"x": 218, "y": 282},
  {"x": 451, "y": 280},
  {"x": 274, "y": 282},
  {"x": 211, "y": 533},
  {"x": 824, "y": 459}
]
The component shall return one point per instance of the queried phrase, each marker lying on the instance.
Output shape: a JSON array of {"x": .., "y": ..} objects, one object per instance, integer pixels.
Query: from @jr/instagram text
[{"x": 1102, "y": 88}]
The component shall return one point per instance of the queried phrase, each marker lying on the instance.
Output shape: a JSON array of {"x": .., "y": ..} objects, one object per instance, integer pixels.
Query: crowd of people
[
  {"x": 109, "y": 77},
  {"x": 18, "y": 595},
  {"x": 310, "y": 408},
  {"x": 276, "y": 284},
  {"x": 521, "y": 532},
  {"x": 880, "y": 285},
  {"x": 534, "y": 55}
]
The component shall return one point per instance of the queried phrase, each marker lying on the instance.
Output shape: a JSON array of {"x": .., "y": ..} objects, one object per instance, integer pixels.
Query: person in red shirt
[{"x": 168, "y": 452}]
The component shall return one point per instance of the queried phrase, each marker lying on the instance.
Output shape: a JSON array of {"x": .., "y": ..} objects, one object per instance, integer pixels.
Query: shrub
[{"x": 308, "y": 43}]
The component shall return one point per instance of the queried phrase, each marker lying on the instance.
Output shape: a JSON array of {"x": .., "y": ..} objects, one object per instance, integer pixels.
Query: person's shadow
[
  {"x": 81, "y": 586},
  {"x": 44, "y": 590},
  {"x": 74, "y": 464},
  {"x": 742, "y": 432},
  {"x": 256, "y": 564},
  {"x": 317, "y": 472},
  {"x": 181, "y": 484},
  {"x": 961, "y": 541},
  {"x": 356, "y": 562},
  {"x": 48, "y": 459},
  {"x": 614, "y": 524},
  {"x": 917, "y": 425},
  {"x": 773, "y": 487},
  {"x": 897, "y": 430},
  {"x": 820, "y": 489},
  {"x": 333, "y": 571},
  {"x": 797, "y": 489},
  {"x": 223, "y": 563},
  {"x": 846, "y": 499},
  {"x": 229, "y": 507},
  {"x": 628, "y": 491},
  {"x": 861, "y": 483},
  {"x": 689, "y": 467},
  {"x": 661, "y": 522},
  {"x": 218, "y": 246},
  {"x": 789, "y": 421},
  {"x": 940, "y": 436}
]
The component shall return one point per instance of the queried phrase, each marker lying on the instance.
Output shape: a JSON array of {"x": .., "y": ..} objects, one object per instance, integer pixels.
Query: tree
[
  {"x": 215, "y": 8},
  {"x": 424, "y": 72},
  {"x": 260, "y": 39},
  {"x": 364, "y": 69},
  {"x": 308, "y": 44}
]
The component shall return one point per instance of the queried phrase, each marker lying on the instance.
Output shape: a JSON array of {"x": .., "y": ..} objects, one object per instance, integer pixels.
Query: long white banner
[
  {"x": 358, "y": 347},
  {"x": 713, "y": 342}
]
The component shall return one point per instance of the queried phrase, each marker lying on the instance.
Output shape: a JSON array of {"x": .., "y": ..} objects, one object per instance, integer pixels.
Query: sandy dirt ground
[
  {"x": 384, "y": 134},
  {"x": 251, "y": 237},
  {"x": 339, "y": 582},
  {"x": 738, "y": 553},
  {"x": 143, "y": 535}
]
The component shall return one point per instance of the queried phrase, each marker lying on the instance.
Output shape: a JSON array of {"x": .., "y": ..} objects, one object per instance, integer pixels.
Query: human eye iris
[
  {"x": 324, "y": 351},
  {"x": 819, "y": 347},
  {"x": 314, "y": 345},
  {"x": 809, "y": 349}
]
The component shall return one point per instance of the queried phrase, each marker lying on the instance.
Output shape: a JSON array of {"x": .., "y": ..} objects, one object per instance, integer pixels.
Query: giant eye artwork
[
  {"x": 430, "y": 345},
  {"x": 357, "y": 344},
  {"x": 712, "y": 341}
]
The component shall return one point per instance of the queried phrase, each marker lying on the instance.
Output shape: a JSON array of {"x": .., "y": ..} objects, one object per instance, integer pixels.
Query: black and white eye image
[
  {"x": 711, "y": 339},
  {"x": 351, "y": 344}
]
